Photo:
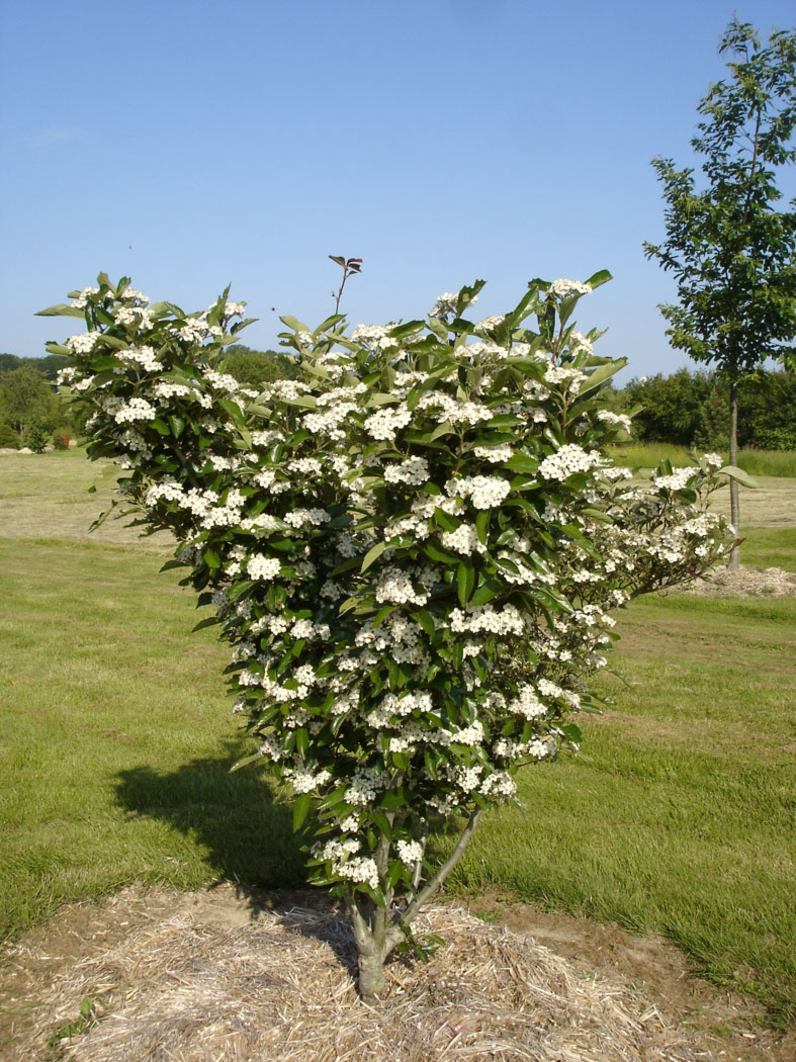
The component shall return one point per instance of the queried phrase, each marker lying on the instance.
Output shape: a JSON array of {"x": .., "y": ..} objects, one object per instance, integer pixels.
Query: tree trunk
[
  {"x": 372, "y": 981},
  {"x": 370, "y": 933},
  {"x": 377, "y": 931},
  {"x": 735, "y": 500}
]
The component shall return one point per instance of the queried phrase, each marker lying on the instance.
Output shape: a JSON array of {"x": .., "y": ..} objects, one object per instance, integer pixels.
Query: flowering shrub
[{"x": 414, "y": 550}]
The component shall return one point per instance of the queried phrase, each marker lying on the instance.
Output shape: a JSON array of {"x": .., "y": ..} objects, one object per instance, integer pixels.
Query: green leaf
[
  {"x": 522, "y": 463},
  {"x": 465, "y": 577},
  {"x": 600, "y": 375},
  {"x": 445, "y": 520},
  {"x": 426, "y": 621},
  {"x": 60, "y": 311},
  {"x": 602, "y": 276},
  {"x": 504, "y": 420},
  {"x": 571, "y": 732},
  {"x": 482, "y": 526},
  {"x": 393, "y": 798},
  {"x": 483, "y": 594},
  {"x": 211, "y": 558},
  {"x": 300, "y": 810},
  {"x": 738, "y": 474},
  {"x": 445, "y": 428},
  {"x": 372, "y": 555},
  {"x": 440, "y": 554},
  {"x": 297, "y": 326},
  {"x": 383, "y": 823}
]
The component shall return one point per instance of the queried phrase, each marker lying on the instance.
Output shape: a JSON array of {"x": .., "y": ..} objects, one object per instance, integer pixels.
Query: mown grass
[
  {"x": 755, "y": 462},
  {"x": 116, "y": 739}
]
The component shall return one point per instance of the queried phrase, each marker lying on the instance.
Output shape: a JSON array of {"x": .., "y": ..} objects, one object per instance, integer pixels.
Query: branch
[{"x": 438, "y": 880}]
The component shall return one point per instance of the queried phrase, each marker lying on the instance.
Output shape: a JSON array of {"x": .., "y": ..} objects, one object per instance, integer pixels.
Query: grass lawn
[
  {"x": 116, "y": 739},
  {"x": 755, "y": 462}
]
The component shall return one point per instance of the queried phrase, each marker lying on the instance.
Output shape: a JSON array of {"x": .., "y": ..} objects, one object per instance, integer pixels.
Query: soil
[
  {"x": 729, "y": 1026},
  {"x": 735, "y": 1025}
]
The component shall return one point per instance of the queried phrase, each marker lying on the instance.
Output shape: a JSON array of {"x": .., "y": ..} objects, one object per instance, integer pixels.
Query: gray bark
[{"x": 735, "y": 499}]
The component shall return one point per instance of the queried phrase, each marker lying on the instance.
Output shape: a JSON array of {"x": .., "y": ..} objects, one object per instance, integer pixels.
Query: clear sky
[{"x": 189, "y": 143}]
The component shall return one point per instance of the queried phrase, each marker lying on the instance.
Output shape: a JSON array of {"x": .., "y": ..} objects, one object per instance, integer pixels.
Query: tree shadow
[
  {"x": 247, "y": 834},
  {"x": 244, "y": 828}
]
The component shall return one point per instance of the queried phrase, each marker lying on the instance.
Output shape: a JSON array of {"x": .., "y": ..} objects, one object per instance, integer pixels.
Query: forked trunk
[{"x": 378, "y": 931}]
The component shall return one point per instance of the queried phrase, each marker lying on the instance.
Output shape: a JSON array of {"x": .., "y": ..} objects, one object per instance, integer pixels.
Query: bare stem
[{"x": 435, "y": 883}]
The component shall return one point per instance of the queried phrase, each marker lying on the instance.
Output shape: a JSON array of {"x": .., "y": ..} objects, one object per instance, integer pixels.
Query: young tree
[
  {"x": 414, "y": 550},
  {"x": 731, "y": 252}
]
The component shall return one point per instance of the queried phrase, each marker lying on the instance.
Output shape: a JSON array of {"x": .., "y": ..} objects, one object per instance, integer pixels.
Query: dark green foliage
[
  {"x": 672, "y": 406},
  {"x": 37, "y": 436},
  {"x": 254, "y": 368},
  {"x": 691, "y": 409},
  {"x": 9, "y": 437},
  {"x": 26, "y": 397},
  {"x": 48, "y": 366}
]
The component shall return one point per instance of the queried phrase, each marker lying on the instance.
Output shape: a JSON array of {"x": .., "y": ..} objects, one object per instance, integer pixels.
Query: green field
[
  {"x": 755, "y": 462},
  {"x": 116, "y": 739}
]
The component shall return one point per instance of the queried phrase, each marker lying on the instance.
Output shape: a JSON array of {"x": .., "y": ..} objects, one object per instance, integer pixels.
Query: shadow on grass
[
  {"x": 248, "y": 837},
  {"x": 246, "y": 833}
]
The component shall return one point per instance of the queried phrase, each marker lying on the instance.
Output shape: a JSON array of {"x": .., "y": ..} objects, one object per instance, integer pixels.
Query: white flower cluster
[
  {"x": 413, "y": 470},
  {"x": 507, "y": 620},
  {"x": 558, "y": 374},
  {"x": 409, "y": 852},
  {"x": 463, "y": 540},
  {"x": 365, "y": 784},
  {"x": 498, "y": 784},
  {"x": 527, "y": 704},
  {"x": 620, "y": 420},
  {"x": 84, "y": 343},
  {"x": 385, "y": 423},
  {"x": 134, "y": 317},
  {"x": 307, "y": 782},
  {"x": 132, "y": 295},
  {"x": 82, "y": 299},
  {"x": 488, "y": 323},
  {"x": 360, "y": 869},
  {"x": 262, "y": 567},
  {"x": 446, "y": 303},
  {"x": 485, "y": 492},
  {"x": 135, "y": 409},
  {"x": 494, "y": 454},
  {"x": 676, "y": 481},
  {"x": 143, "y": 356},
  {"x": 376, "y": 336},
  {"x": 569, "y": 459},
  {"x": 307, "y": 517},
  {"x": 578, "y": 341},
  {"x": 395, "y": 587},
  {"x": 565, "y": 287}
]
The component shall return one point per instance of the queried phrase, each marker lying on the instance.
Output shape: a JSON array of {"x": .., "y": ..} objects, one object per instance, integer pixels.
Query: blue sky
[{"x": 190, "y": 144}]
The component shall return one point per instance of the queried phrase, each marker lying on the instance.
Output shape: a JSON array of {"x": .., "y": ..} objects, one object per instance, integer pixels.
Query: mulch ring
[
  {"x": 744, "y": 582},
  {"x": 204, "y": 977}
]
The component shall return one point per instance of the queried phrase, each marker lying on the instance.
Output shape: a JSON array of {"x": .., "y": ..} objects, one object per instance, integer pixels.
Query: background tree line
[
  {"x": 692, "y": 409},
  {"x": 33, "y": 414},
  {"x": 685, "y": 408}
]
